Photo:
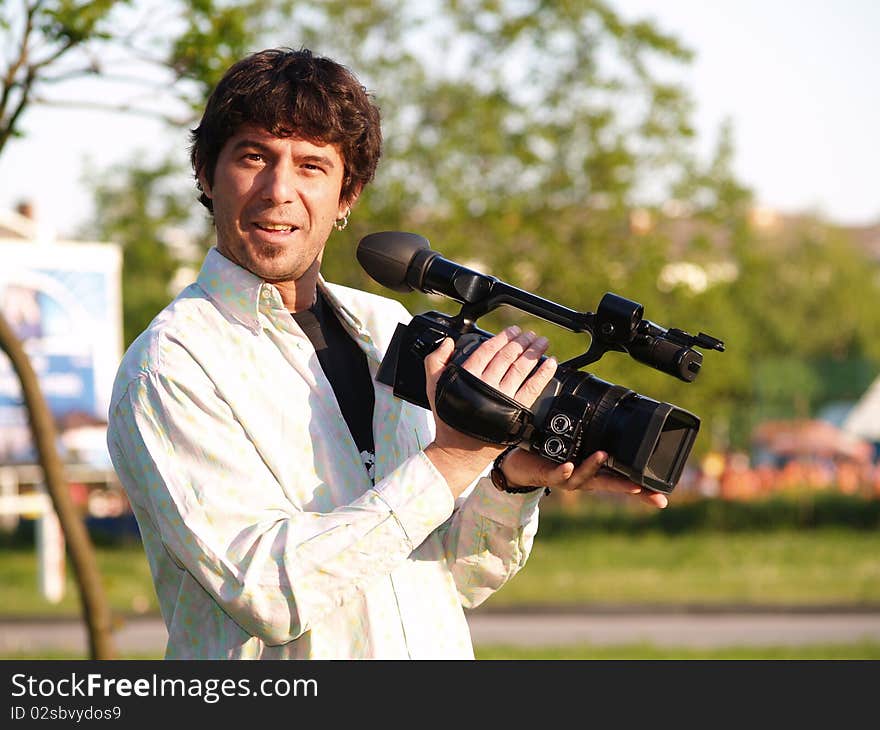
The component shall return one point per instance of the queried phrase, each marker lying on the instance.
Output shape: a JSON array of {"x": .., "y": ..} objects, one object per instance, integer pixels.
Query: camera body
[{"x": 576, "y": 414}]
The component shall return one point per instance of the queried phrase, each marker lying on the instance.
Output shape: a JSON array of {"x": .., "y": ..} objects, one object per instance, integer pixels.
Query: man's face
[{"x": 275, "y": 200}]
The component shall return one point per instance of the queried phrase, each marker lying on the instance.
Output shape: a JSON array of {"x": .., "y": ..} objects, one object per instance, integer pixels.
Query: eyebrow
[
  {"x": 318, "y": 160},
  {"x": 248, "y": 143}
]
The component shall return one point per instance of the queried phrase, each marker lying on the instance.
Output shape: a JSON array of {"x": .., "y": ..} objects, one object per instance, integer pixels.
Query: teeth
[{"x": 275, "y": 227}]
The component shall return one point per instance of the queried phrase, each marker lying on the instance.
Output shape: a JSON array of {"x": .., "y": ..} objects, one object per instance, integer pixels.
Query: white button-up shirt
[{"x": 264, "y": 533}]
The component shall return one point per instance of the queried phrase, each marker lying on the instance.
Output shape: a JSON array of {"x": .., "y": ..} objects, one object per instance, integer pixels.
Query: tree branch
[
  {"x": 9, "y": 123},
  {"x": 115, "y": 108},
  {"x": 9, "y": 82},
  {"x": 52, "y": 57},
  {"x": 96, "y": 72},
  {"x": 95, "y": 607}
]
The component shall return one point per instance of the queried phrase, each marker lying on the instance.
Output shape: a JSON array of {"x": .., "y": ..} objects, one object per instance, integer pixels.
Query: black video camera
[{"x": 577, "y": 414}]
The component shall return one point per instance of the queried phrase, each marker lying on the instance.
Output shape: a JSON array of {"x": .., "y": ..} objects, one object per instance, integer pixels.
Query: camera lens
[{"x": 647, "y": 441}]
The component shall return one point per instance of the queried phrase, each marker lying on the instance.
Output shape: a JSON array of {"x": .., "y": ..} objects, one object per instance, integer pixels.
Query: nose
[{"x": 278, "y": 182}]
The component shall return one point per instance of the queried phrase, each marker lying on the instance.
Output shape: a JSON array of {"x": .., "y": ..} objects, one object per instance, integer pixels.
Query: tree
[
  {"x": 154, "y": 58},
  {"x": 94, "y": 603},
  {"x": 523, "y": 137},
  {"x": 526, "y": 149},
  {"x": 46, "y": 43},
  {"x": 536, "y": 139},
  {"x": 138, "y": 205}
]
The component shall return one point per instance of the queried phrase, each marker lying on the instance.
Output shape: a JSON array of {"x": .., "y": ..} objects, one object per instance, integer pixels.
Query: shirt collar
[
  {"x": 237, "y": 292},
  {"x": 234, "y": 290}
]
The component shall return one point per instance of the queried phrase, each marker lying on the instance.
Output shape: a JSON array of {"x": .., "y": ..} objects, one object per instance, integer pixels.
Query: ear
[
  {"x": 204, "y": 184},
  {"x": 346, "y": 204}
]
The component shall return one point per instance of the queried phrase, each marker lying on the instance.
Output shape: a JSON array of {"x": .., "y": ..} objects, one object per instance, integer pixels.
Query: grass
[
  {"x": 860, "y": 650},
  {"x": 864, "y": 650},
  {"x": 126, "y": 574},
  {"x": 718, "y": 555},
  {"x": 830, "y": 566}
]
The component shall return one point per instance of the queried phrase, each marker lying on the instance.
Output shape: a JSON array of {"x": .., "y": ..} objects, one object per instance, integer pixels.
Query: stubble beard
[
  {"x": 275, "y": 263},
  {"x": 261, "y": 259}
]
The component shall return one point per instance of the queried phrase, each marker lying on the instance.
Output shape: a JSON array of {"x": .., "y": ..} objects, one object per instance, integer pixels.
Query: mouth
[{"x": 275, "y": 227}]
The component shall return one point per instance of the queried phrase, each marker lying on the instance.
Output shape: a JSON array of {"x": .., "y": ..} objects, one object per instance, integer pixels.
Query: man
[{"x": 291, "y": 507}]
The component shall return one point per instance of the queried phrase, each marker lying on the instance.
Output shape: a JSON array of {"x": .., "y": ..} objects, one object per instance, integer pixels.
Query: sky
[{"x": 798, "y": 79}]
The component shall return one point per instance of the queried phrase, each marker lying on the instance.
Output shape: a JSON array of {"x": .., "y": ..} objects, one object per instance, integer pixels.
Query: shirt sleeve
[
  {"x": 490, "y": 534},
  {"x": 488, "y": 538},
  {"x": 192, "y": 472}
]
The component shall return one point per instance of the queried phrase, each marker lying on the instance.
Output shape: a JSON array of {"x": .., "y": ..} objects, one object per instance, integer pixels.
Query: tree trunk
[{"x": 96, "y": 610}]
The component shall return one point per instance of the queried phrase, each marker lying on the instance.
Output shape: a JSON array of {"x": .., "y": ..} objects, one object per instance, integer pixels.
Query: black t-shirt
[{"x": 345, "y": 365}]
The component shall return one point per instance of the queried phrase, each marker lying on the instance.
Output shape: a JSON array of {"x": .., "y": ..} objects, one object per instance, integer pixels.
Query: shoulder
[
  {"x": 363, "y": 302},
  {"x": 189, "y": 317},
  {"x": 377, "y": 314}
]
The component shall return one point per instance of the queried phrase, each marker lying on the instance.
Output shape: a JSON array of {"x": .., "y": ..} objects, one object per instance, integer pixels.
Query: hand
[
  {"x": 504, "y": 362},
  {"x": 523, "y": 468}
]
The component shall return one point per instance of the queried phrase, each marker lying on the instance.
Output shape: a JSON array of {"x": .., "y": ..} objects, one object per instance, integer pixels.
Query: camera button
[{"x": 560, "y": 423}]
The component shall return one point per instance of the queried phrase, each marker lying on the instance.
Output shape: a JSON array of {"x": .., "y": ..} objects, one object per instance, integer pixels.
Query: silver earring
[{"x": 340, "y": 223}]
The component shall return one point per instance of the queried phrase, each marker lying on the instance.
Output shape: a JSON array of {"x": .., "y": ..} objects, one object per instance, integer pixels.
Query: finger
[
  {"x": 519, "y": 370},
  {"x": 588, "y": 477},
  {"x": 480, "y": 358},
  {"x": 604, "y": 482},
  {"x": 620, "y": 485},
  {"x": 534, "y": 386},
  {"x": 655, "y": 499},
  {"x": 435, "y": 362},
  {"x": 525, "y": 467},
  {"x": 587, "y": 470},
  {"x": 499, "y": 366}
]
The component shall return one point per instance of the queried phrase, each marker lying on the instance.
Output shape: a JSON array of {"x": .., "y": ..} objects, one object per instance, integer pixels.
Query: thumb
[
  {"x": 439, "y": 359},
  {"x": 524, "y": 467},
  {"x": 434, "y": 364}
]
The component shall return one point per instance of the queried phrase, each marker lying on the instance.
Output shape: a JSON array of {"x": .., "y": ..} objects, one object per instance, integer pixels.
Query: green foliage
[
  {"x": 137, "y": 206},
  {"x": 216, "y": 35},
  {"x": 806, "y": 511},
  {"x": 646, "y": 651},
  {"x": 779, "y": 567},
  {"x": 37, "y": 39},
  {"x": 524, "y": 138},
  {"x": 588, "y": 565},
  {"x": 70, "y": 23}
]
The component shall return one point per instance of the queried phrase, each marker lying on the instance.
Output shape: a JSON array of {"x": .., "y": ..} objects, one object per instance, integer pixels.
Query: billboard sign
[{"x": 63, "y": 300}]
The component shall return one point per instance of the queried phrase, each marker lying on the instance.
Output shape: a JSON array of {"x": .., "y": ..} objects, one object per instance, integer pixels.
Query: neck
[{"x": 300, "y": 294}]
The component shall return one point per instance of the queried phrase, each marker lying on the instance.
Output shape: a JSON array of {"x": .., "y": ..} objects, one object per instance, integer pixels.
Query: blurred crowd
[{"x": 735, "y": 475}]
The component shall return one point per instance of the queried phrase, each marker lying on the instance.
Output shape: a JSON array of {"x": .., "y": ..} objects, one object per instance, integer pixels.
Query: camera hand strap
[{"x": 476, "y": 409}]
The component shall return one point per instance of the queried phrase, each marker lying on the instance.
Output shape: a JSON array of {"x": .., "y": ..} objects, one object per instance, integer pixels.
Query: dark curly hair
[{"x": 292, "y": 93}]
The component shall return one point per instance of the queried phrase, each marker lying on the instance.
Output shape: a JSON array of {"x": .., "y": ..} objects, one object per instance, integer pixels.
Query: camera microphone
[
  {"x": 405, "y": 262},
  {"x": 386, "y": 256}
]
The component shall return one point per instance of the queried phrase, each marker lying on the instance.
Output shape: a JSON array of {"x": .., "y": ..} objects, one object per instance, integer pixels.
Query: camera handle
[
  {"x": 492, "y": 293},
  {"x": 617, "y": 324},
  {"x": 405, "y": 262}
]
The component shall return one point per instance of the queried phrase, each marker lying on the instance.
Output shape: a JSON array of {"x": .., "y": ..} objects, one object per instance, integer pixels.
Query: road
[{"x": 608, "y": 626}]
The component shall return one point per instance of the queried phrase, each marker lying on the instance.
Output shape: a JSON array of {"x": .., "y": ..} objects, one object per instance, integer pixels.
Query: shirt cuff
[
  {"x": 418, "y": 497},
  {"x": 514, "y": 510}
]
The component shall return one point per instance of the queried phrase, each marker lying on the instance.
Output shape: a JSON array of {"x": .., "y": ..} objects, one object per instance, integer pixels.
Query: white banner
[{"x": 64, "y": 301}]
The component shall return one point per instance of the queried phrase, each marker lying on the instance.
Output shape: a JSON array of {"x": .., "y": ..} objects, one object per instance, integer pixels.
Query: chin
[{"x": 274, "y": 271}]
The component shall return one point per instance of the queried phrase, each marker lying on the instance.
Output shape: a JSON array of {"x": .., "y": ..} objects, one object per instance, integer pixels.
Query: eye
[{"x": 254, "y": 157}]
